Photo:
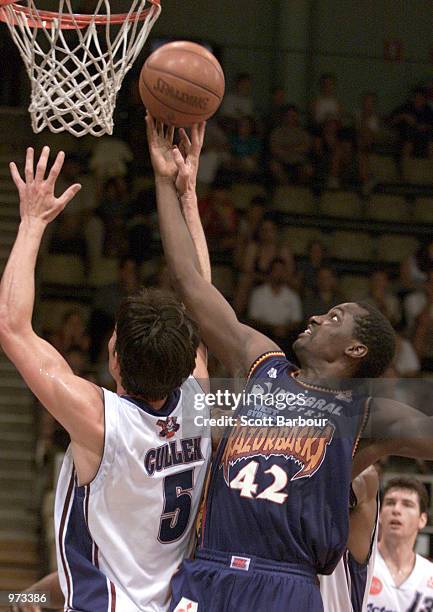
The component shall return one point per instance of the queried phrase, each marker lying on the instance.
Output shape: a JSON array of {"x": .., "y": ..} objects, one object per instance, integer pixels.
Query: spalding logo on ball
[{"x": 182, "y": 83}]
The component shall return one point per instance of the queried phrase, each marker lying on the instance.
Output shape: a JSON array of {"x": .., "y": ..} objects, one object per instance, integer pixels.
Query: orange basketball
[{"x": 181, "y": 83}]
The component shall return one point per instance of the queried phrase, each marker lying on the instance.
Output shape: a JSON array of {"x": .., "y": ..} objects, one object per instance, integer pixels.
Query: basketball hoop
[{"x": 76, "y": 63}]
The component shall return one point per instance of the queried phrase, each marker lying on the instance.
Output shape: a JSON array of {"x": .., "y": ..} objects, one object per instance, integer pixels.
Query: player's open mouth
[
  {"x": 395, "y": 524},
  {"x": 307, "y": 332}
]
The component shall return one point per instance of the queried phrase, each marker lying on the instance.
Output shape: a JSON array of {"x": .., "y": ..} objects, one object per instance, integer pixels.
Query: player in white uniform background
[
  {"x": 346, "y": 589},
  {"x": 402, "y": 580},
  {"x": 131, "y": 481}
]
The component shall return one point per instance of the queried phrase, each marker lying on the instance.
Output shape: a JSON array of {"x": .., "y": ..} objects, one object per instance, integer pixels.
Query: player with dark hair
[
  {"x": 131, "y": 480},
  {"x": 403, "y": 580},
  {"x": 277, "y": 510}
]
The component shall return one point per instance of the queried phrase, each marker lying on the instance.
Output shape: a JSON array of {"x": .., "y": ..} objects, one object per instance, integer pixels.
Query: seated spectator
[
  {"x": 215, "y": 153},
  {"x": 219, "y": 218},
  {"x": 274, "y": 115},
  {"x": 69, "y": 232},
  {"x": 274, "y": 307},
  {"x": 110, "y": 157},
  {"x": 324, "y": 296},
  {"x": 406, "y": 362},
  {"x": 139, "y": 225},
  {"x": 71, "y": 334},
  {"x": 413, "y": 122},
  {"x": 419, "y": 303},
  {"x": 289, "y": 149},
  {"x": 316, "y": 260},
  {"x": 326, "y": 105},
  {"x": 330, "y": 157},
  {"x": 248, "y": 227},
  {"x": 245, "y": 151},
  {"x": 239, "y": 102},
  {"x": 258, "y": 256},
  {"x": 415, "y": 268},
  {"x": 381, "y": 295},
  {"x": 368, "y": 124},
  {"x": 107, "y": 228},
  {"x": 106, "y": 302}
]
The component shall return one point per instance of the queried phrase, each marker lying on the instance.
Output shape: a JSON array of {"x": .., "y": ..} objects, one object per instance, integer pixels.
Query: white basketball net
[{"x": 74, "y": 73}]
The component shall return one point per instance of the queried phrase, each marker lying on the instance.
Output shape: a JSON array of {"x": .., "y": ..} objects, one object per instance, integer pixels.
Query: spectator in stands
[
  {"x": 259, "y": 254},
  {"x": 274, "y": 307},
  {"x": 108, "y": 227},
  {"x": 69, "y": 232},
  {"x": 418, "y": 308},
  {"x": 245, "y": 151},
  {"x": 248, "y": 227},
  {"x": 274, "y": 115},
  {"x": 381, "y": 295},
  {"x": 289, "y": 149},
  {"x": 324, "y": 296},
  {"x": 106, "y": 303},
  {"x": 219, "y": 217},
  {"x": 368, "y": 125},
  {"x": 413, "y": 122},
  {"x": 406, "y": 362},
  {"x": 329, "y": 156},
  {"x": 139, "y": 226},
  {"x": 326, "y": 105},
  {"x": 110, "y": 158},
  {"x": 415, "y": 268},
  {"x": 215, "y": 154},
  {"x": 71, "y": 334},
  {"x": 238, "y": 103},
  {"x": 316, "y": 259}
]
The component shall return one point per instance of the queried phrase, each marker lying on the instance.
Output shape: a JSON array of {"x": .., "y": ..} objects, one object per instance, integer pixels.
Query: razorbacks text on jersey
[
  {"x": 296, "y": 479},
  {"x": 121, "y": 537},
  {"x": 415, "y": 594},
  {"x": 277, "y": 508}
]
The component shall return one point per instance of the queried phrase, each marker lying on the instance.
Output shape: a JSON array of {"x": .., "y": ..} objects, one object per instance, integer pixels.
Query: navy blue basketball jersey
[{"x": 280, "y": 482}]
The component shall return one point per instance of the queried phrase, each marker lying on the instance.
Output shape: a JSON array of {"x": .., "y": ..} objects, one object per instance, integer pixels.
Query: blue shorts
[{"x": 226, "y": 582}]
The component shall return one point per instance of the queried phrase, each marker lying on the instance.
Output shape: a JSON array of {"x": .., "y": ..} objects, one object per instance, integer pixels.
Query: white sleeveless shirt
[
  {"x": 121, "y": 538},
  {"x": 415, "y": 594}
]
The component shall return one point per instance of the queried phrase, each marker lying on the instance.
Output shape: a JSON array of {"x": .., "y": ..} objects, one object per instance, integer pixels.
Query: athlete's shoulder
[
  {"x": 270, "y": 365},
  {"x": 425, "y": 565}
]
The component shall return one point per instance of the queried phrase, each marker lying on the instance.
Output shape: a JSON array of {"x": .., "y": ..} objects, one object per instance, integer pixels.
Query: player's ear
[
  {"x": 422, "y": 520},
  {"x": 356, "y": 350}
]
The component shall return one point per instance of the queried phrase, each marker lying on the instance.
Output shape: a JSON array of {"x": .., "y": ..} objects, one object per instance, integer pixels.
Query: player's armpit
[
  {"x": 396, "y": 429},
  {"x": 74, "y": 402}
]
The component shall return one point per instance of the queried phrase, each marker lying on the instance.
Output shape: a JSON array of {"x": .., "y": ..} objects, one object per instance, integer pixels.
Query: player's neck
[
  {"x": 156, "y": 405},
  {"x": 399, "y": 557},
  {"x": 322, "y": 376}
]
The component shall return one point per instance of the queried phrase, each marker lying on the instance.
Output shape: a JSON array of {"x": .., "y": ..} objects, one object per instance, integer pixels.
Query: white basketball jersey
[
  {"x": 121, "y": 538},
  {"x": 347, "y": 588},
  {"x": 414, "y": 595}
]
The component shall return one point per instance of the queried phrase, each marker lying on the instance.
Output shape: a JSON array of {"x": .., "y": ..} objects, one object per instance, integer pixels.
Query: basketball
[{"x": 181, "y": 83}]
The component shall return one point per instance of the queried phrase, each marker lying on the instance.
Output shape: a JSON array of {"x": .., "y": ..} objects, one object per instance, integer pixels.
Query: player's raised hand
[
  {"x": 160, "y": 141},
  {"x": 37, "y": 199},
  {"x": 187, "y": 157}
]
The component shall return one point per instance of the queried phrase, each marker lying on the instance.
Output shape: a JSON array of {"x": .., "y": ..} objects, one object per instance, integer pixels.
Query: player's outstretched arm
[
  {"x": 50, "y": 585},
  {"x": 74, "y": 402},
  {"x": 394, "y": 429},
  {"x": 362, "y": 519},
  {"x": 234, "y": 344}
]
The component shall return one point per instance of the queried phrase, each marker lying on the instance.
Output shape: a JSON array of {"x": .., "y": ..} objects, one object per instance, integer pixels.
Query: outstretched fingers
[
  {"x": 70, "y": 192},
  {"x": 16, "y": 176},
  {"x": 42, "y": 164},
  {"x": 197, "y": 137},
  {"x": 56, "y": 168},
  {"x": 28, "y": 169}
]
